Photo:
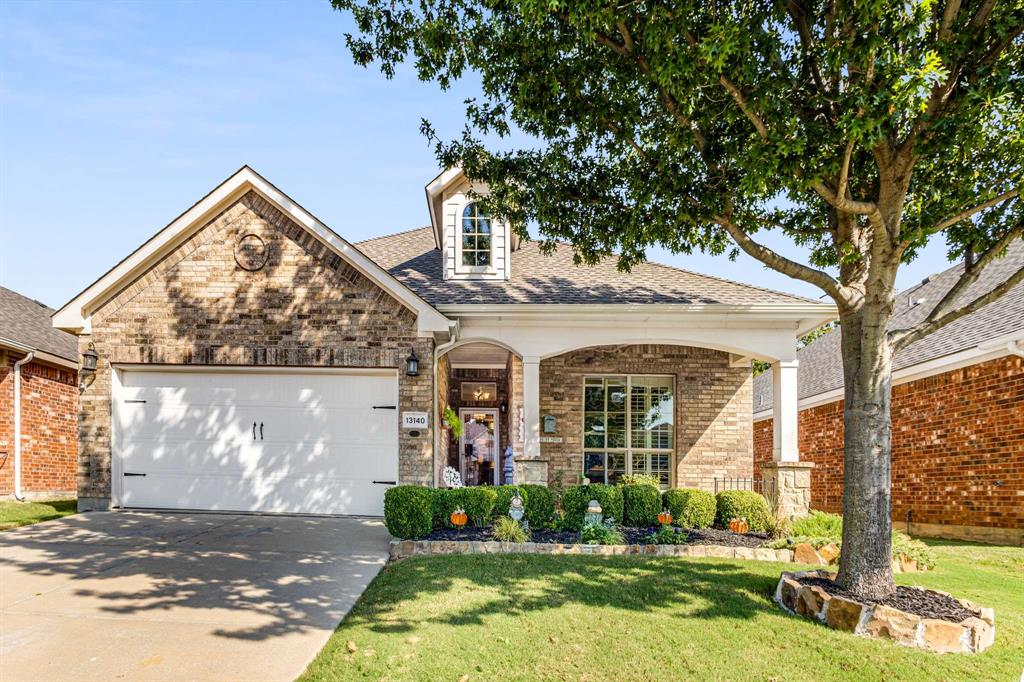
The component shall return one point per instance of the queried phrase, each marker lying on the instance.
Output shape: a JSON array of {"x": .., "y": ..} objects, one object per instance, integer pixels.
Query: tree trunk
[{"x": 865, "y": 567}]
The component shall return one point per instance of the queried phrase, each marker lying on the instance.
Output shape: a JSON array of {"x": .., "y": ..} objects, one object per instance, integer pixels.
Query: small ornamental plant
[{"x": 666, "y": 535}]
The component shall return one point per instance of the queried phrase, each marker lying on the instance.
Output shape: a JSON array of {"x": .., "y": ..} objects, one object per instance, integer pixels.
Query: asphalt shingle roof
[
  {"x": 411, "y": 257},
  {"x": 27, "y": 321},
  {"x": 821, "y": 368}
]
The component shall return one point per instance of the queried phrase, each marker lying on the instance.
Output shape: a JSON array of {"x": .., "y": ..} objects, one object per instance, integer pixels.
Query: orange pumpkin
[
  {"x": 459, "y": 518},
  {"x": 665, "y": 517},
  {"x": 739, "y": 525}
]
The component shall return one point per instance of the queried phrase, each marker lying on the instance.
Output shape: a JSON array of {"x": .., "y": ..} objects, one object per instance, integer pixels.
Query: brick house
[
  {"x": 957, "y": 415},
  {"x": 38, "y": 402},
  {"x": 252, "y": 359}
]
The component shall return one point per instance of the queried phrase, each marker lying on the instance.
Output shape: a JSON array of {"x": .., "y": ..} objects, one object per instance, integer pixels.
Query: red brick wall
[
  {"x": 953, "y": 436},
  {"x": 49, "y": 427}
]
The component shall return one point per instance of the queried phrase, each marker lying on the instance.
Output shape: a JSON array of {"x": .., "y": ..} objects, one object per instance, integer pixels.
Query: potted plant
[{"x": 450, "y": 422}]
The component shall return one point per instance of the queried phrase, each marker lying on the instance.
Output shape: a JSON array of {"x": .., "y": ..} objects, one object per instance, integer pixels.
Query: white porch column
[
  {"x": 785, "y": 447},
  {"x": 789, "y": 478},
  {"x": 531, "y": 407}
]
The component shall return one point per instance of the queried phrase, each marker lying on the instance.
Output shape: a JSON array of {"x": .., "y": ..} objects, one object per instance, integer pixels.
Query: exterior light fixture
[
  {"x": 88, "y": 371},
  {"x": 412, "y": 364}
]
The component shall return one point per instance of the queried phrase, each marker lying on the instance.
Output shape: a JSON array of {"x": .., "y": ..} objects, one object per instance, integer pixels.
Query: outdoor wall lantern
[
  {"x": 503, "y": 407},
  {"x": 87, "y": 373},
  {"x": 412, "y": 364}
]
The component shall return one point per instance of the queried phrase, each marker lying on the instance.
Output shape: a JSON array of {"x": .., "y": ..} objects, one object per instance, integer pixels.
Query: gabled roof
[
  {"x": 538, "y": 278},
  {"x": 74, "y": 316},
  {"x": 25, "y": 325},
  {"x": 821, "y": 368}
]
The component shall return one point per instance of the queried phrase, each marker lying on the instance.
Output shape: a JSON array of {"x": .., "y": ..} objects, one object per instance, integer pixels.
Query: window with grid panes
[
  {"x": 476, "y": 238},
  {"x": 628, "y": 426}
]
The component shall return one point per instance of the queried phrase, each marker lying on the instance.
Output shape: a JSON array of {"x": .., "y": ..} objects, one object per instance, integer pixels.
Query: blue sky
[{"x": 116, "y": 117}]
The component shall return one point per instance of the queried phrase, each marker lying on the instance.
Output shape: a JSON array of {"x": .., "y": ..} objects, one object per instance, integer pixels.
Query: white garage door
[{"x": 303, "y": 442}]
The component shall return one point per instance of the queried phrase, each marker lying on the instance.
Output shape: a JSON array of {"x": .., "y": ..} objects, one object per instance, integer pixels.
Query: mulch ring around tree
[
  {"x": 920, "y": 602},
  {"x": 695, "y": 536}
]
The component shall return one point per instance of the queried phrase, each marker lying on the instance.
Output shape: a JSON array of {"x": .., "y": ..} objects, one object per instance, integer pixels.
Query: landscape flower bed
[{"x": 911, "y": 616}]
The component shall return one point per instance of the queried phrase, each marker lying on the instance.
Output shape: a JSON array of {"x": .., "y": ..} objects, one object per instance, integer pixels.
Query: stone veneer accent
[
  {"x": 953, "y": 436},
  {"x": 713, "y": 408},
  {"x": 49, "y": 423},
  {"x": 306, "y": 308},
  {"x": 401, "y": 549},
  {"x": 970, "y": 636}
]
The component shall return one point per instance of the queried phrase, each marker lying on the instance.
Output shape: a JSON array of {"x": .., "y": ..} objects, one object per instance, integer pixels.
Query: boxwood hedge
[{"x": 690, "y": 508}]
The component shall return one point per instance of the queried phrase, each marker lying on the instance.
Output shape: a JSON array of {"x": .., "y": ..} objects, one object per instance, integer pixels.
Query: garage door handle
[
  {"x": 132, "y": 473},
  {"x": 377, "y": 482},
  {"x": 254, "y": 430},
  {"x": 261, "y": 430},
  {"x": 385, "y": 407}
]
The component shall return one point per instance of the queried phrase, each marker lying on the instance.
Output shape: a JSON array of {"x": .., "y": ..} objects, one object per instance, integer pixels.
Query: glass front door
[{"x": 478, "y": 454}]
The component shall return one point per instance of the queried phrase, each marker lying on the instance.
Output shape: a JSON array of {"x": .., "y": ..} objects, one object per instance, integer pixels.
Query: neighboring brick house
[
  {"x": 957, "y": 415},
  {"x": 43, "y": 363},
  {"x": 252, "y": 359}
]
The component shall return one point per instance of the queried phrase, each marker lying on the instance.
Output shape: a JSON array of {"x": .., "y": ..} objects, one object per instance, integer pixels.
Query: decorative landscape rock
[
  {"x": 804, "y": 554},
  {"x": 970, "y": 635},
  {"x": 829, "y": 553}
]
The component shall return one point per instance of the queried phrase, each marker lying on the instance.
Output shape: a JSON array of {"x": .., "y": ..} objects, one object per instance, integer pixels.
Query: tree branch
[
  {"x": 964, "y": 215},
  {"x": 780, "y": 263},
  {"x": 947, "y": 310},
  {"x": 949, "y": 13}
]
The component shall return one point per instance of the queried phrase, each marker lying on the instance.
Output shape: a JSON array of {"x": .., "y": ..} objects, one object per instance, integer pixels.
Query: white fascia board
[
  {"x": 74, "y": 316},
  {"x": 983, "y": 352},
  {"x": 39, "y": 355},
  {"x": 792, "y": 314},
  {"x": 433, "y": 189}
]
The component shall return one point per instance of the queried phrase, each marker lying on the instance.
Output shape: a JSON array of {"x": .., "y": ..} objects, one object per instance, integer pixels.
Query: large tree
[{"x": 860, "y": 129}]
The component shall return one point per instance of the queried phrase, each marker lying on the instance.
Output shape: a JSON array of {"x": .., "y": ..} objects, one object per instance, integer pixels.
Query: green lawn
[
  {"x": 14, "y": 514},
  {"x": 537, "y": 617}
]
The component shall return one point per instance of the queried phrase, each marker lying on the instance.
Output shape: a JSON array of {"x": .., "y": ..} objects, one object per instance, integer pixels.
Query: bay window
[{"x": 628, "y": 427}]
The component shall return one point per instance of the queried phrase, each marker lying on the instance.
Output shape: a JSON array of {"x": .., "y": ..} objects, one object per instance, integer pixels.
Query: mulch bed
[
  {"x": 634, "y": 536},
  {"x": 924, "y": 603}
]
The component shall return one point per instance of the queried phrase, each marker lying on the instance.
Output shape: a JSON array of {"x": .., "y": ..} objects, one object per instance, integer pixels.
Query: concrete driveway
[{"x": 166, "y": 596}]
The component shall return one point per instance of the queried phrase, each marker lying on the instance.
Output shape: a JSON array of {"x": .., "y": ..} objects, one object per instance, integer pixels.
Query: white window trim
[
  {"x": 628, "y": 450},
  {"x": 472, "y": 269}
]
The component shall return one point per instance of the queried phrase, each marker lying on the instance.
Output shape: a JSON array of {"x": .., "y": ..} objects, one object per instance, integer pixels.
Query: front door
[{"x": 478, "y": 451}]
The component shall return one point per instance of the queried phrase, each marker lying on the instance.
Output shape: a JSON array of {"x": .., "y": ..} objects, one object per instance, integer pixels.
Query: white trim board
[
  {"x": 75, "y": 315},
  {"x": 990, "y": 350}
]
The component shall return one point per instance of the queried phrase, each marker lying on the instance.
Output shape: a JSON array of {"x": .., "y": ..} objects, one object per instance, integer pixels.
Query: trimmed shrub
[
  {"x": 576, "y": 498},
  {"x": 477, "y": 501},
  {"x": 746, "y": 503},
  {"x": 641, "y": 503},
  {"x": 540, "y": 505},
  {"x": 690, "y": 507},
  {"x": 408, "y": 511}
]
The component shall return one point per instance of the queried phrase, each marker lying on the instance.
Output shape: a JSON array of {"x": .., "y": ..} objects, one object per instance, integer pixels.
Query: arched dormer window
[{"x": 476, "y": 247}]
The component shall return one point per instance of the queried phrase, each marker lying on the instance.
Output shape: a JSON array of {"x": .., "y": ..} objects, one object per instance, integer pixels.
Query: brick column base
[{"x": 792, "y": 486}]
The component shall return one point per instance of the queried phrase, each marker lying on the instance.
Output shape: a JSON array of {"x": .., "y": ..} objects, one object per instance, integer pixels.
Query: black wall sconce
[
  {"x": 88, "y": 371},
  {"x": 503, "y": 407},
  {"x": 412, "y": 364}
]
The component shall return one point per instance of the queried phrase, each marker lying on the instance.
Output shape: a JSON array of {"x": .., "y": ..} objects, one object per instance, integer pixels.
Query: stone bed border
[
  {"x": 400, "y": 549},
  {"x": 970, "y": 636}
]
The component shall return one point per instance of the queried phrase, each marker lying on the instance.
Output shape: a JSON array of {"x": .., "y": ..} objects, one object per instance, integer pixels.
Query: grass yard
[
  {"x": 14, "y": 514},
  {"x": 538, "y": 617}
]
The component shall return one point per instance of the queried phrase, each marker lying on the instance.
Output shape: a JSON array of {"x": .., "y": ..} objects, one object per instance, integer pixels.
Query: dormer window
[{"x": 476, "y": 253}]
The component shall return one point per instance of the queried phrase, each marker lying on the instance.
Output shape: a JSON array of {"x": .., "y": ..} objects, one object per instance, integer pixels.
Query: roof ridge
[{"x": 393, "y": 234}]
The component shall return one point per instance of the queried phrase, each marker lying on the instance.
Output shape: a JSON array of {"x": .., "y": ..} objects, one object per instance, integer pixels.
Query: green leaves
[{"x": 655, "y": 123}]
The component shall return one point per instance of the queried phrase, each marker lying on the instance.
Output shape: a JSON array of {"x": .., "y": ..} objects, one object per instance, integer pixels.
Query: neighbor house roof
[
  {"x": 821, "y": 369},
  {"x": 539, "y": 278},
  {"x": 25, "y": 324}
]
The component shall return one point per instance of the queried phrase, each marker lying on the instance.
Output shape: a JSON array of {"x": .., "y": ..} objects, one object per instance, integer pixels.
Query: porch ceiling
[{"x": 478, "y": 356}]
